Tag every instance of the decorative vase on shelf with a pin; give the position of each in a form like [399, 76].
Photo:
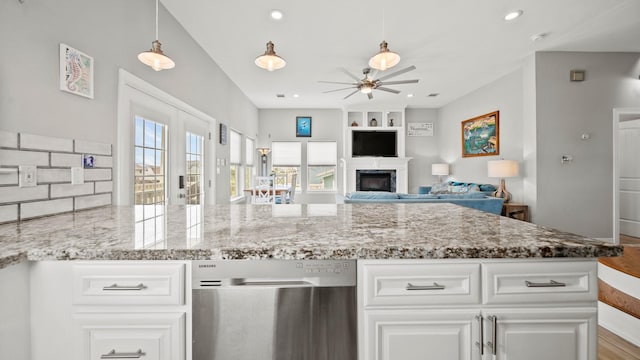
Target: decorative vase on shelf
[355, 123]
[373, 122]
[390, 122]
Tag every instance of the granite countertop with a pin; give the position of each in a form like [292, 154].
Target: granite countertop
[297, 231]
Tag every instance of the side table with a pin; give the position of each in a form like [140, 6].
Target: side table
[516, 211]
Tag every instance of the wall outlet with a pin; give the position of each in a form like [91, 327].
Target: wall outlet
[77, 175]
[28, 175]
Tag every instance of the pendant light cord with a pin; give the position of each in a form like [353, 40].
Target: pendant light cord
[156, 19]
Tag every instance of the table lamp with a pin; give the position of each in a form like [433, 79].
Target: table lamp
[440, 170]
[502, 169]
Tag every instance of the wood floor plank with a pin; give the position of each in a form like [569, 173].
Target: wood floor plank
[613, 347]
[628, 263]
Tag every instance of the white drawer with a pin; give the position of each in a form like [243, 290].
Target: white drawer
[540, 282]
[152, 336]
[411, 283]
[124, 283]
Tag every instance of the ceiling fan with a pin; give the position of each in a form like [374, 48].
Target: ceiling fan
[367, 84]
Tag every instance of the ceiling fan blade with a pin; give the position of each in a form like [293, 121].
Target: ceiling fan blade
[351, 94]
[350, 74]
[350, 87]
[398, 82]
[412, 67]
[337, 82]
[370, 96]
[388, 90]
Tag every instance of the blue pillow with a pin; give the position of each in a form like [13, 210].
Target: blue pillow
[424, 189]
[487, 187]
[373, 195]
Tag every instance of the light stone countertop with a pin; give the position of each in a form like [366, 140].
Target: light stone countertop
[296, 231]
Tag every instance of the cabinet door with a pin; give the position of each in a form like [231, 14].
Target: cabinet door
[420, 334]
[549, 334]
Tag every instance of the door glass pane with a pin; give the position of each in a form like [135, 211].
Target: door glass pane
[194, 169]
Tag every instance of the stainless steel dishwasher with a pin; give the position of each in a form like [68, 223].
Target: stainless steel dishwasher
[274, 309]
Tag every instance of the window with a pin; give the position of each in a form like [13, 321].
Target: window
[321, 165]
[286, 159]
[194, 169]
[249, 156]
[235, 156]
[150, 162]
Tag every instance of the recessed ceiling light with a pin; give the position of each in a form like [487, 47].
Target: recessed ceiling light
[513, 15]
[276, 14]
[296, 96]
[409, 95]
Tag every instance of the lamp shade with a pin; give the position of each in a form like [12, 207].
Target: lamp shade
[440, 169]
[263, 151]
[502, 168]
[156, 58]
[270, 60]
[385, 59]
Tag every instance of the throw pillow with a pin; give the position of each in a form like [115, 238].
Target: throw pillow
[439, 189]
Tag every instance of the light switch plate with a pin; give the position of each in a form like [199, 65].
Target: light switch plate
[77, 175]
[28, 175]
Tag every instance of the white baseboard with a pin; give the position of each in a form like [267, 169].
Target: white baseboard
[628, 284]
[619, 323]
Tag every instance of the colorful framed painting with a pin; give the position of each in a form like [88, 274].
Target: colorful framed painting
[303, 126]
[480, 135]
[76, 71]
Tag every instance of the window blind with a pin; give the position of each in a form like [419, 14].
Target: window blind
[322, 153]
[286, 153]
[235, 147]
[249, 153]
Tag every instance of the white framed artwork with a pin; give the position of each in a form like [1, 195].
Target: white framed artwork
[76, 71]
[420, 129]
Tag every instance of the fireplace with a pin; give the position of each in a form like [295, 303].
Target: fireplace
[376, 180]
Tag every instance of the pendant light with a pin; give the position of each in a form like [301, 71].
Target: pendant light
[155, 57]
[270, 60]
[385, 58]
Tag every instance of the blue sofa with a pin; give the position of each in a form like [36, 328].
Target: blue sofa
[474, 200]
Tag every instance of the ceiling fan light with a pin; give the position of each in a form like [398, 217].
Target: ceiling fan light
[385, 59]
[155, 58]
[270, 60]
[365, 89]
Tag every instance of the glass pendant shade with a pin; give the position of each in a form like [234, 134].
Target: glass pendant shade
[156, 58]
[365, 89]
[270, 60]
[385, 59]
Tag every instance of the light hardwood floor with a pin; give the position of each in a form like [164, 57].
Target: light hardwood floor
[613, 347]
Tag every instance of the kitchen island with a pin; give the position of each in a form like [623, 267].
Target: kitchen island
[456, 282]
[314, 231]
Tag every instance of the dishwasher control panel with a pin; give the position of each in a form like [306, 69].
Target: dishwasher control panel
[210, 273]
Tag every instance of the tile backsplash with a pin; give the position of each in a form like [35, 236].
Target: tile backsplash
[54, 193]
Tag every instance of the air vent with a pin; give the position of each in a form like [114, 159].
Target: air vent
[433, 95]
[280, 95]
[210, 282]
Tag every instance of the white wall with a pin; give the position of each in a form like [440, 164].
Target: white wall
[113, 33]
[505, 95]
[423, 149]
[280, 125]
[577, 196]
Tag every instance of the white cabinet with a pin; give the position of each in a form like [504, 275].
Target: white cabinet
[110, 310]
[477, 309]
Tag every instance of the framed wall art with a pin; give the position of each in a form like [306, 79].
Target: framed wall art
[480, 135]
[76, 71]
[303, 126]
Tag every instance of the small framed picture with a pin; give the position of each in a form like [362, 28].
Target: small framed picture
[223, 134]
[303, 126]
[88, 161]
[76, 71]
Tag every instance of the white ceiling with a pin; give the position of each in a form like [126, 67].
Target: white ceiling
[456, 45]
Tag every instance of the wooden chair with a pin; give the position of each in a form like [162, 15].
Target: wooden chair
[262, 192]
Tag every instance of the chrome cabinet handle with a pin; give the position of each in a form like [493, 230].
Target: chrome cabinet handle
[551, 283]
[115, 286]
[494, 334]
[123, 355]
[435, 286]
[479, 343]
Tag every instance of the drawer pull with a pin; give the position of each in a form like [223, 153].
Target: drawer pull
[551, 283]
[435, 286]
[115, 286]
[123, 355]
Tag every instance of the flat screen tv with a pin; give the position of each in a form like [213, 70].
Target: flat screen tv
[374, 143]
